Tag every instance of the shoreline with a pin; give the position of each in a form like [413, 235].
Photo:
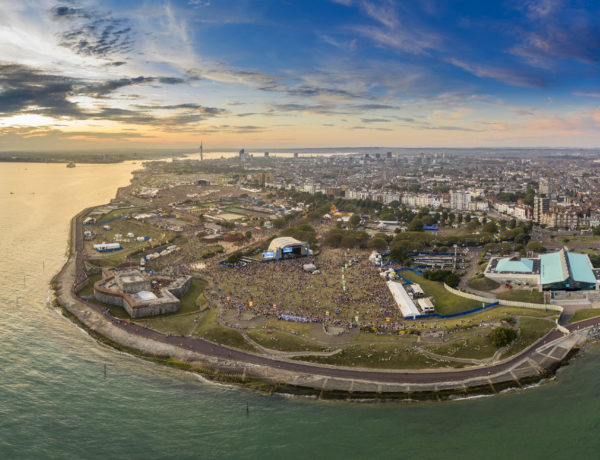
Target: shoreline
[283, 376]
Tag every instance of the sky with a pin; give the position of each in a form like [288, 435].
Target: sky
[135, 74]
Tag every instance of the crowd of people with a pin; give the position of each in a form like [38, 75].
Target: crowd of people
[282, 289]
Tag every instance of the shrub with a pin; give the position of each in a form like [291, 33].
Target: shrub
[502, 336]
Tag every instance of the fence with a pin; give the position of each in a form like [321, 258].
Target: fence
[510, 303]
[454, 315]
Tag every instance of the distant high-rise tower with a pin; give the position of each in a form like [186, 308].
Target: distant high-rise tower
[295, 154]
[201, 157]
[266, 154]
[389, 155]
[545, 188]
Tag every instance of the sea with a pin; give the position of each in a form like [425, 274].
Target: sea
[56, 401]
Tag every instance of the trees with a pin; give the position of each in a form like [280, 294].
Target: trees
[234, 258]
[302, 232]
[345, 238]
[535, 246]
[377, 243]
[388, 215]
[355, 220]
[490, 227]
[279, 223]
[416, 225]
[502, 336]
[400, 254]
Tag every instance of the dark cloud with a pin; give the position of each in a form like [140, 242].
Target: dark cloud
[68, 12]
[188, 106]
[450, 128]
[330, 108]
[27, 90]
[94, 34]
[375, 120]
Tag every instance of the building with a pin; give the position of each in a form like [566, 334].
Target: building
[286, 247]
[558, 271]
[541, 205]
[140, 294]
[460, 200]
[545, 188]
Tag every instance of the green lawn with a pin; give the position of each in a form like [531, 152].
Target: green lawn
[585, 314]
[478, 347]
[193, 299]
[381, 356]
[282, 341]
[531, 330]
[176, 324]
[88, 290]
[210, 329]
[445, 302]
[522, 295]
[483, 284]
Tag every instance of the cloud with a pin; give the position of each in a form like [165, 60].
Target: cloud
[586, 94]
[449, 128]
[402, 34]
[375, 120]
[559, 30]
[24, 90]
[325, 109]
[510, 75]
[93, 33]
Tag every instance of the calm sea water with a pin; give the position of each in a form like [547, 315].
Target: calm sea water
[56, 403]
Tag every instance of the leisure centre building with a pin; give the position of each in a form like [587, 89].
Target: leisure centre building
[558, 271]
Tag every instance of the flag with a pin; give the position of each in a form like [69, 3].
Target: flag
[387, 319]
[250, 303]
[327, 313]
[356, 318]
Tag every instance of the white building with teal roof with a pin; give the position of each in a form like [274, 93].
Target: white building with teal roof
[557, 271]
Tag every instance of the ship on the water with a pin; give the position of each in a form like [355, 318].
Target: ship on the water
[71, 165]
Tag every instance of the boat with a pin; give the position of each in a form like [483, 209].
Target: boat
[71, 165]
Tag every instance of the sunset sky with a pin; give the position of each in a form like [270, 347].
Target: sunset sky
[299, 73]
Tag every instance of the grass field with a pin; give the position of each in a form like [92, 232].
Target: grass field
[522, 296]
[282, 341]
[88, 290]
[494, 313]
[210, 329]
[194, 299]
[381, 356]
[483, 284]
[531, 330]
[176, 324]
[585, 314]
[478, 347]
[445, 302]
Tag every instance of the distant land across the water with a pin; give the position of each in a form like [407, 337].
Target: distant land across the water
[117, 156]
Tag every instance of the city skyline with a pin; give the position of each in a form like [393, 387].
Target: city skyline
[125, 75]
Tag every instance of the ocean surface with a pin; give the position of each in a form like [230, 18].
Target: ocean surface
[55, 401]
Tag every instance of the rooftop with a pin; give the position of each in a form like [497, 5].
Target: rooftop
[515, 265]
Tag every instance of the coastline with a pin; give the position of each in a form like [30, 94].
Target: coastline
[270, 375]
